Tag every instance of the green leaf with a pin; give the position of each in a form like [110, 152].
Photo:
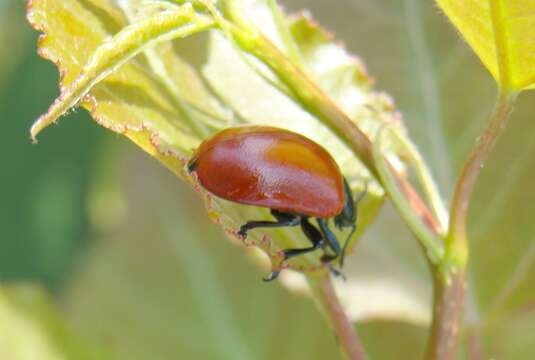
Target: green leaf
[501, 34]
[106, 59]
[176, 93]
[31, 326]
[162, 103]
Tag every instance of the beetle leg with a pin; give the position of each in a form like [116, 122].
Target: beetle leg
[317, 239]
[331, 239]
[336, 272]
[272, 276]
[312, 234]
[283, 219]
[334, 245]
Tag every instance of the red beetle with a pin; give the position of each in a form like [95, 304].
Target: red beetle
[284, 171]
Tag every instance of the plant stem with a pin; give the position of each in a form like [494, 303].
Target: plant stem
[288, 40]
[402, 198]
[429, 186]
[448, 307]
[342, 326]
[457, 238]
[450, 275]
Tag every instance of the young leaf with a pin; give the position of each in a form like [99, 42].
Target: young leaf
[501, 34]
[176, 94]
[130, 100]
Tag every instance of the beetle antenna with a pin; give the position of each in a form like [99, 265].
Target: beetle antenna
[362, 194]
[343, 254]
[354, 226]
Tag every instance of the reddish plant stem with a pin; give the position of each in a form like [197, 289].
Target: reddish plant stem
[342, 326]
[447, 316]
[450, 278]
[472, 167]
[416, 202]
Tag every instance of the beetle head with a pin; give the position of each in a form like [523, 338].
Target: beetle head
[348, 216]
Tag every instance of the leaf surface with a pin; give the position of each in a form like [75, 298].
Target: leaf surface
[174, 94]
[501, 34]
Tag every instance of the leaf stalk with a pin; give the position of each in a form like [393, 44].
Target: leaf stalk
[325, 294]
[450, 276]
[456, 241]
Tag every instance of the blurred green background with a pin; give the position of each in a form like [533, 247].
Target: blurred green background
[134, 269]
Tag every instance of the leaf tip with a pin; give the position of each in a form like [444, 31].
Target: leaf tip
[35, 130]
[42, 122]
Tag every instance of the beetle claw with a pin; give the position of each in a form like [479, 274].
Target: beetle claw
[243, 232]
[272, 276]
[336, 272]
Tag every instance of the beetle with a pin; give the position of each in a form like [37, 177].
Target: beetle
[284, 171]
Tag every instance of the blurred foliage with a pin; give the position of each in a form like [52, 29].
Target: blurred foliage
[43, 189]
[135, 294]
[35, 330]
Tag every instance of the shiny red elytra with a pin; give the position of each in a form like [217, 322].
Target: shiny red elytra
[284, 171]
[273, 168]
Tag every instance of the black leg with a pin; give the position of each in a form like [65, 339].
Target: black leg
[333, 242]
[312, 234]
[334, 245]
[272, 276]
[335, 272]
[331, 239]
[283, 219]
